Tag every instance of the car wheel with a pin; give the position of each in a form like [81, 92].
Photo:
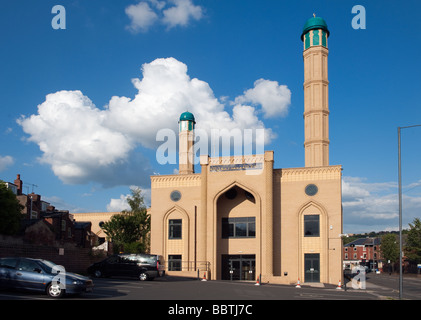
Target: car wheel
[97, 274]
[143, 276]
[54, 290]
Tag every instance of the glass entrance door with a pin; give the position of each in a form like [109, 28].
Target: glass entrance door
[235, 269]
[312, 267]
[238, 267]
[248, 269]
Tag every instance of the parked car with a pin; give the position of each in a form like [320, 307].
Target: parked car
[142, 266]
[41, 275]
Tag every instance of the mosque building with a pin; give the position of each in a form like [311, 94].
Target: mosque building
[242, 219]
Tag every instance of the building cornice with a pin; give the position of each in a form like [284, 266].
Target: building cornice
[176, 180]
[255, 158]
[309, 173]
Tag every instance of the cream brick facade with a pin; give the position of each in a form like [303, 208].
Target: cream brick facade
[96, 218]
[279, 204]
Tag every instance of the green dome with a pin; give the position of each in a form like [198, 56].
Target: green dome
[314, 23]
[187, 116]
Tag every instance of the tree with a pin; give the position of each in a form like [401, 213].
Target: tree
[390, 247]
[413, 241]
[129, 230]
[10, 211]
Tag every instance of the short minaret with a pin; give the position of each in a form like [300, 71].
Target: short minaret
[316, 93]
[186, 142]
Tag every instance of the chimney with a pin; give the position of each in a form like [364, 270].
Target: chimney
[18, 182]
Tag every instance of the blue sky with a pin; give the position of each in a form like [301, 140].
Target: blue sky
[83, 148]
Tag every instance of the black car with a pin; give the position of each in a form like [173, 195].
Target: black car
[142, 266]
[41, 275]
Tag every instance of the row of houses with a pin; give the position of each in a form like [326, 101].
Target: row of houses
[363, 252]
[43, 224]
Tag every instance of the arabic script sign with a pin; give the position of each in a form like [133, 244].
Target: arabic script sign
[236, 167]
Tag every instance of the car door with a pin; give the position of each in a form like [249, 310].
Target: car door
[7, 272]
[111, 266]
[128, 265]
[29, 275]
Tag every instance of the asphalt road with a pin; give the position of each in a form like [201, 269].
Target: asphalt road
[170, 297]
[386, 286]
[181, 289]
[378, 287]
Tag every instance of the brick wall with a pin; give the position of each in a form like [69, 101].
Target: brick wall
[72, 258]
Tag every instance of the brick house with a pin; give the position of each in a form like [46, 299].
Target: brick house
[84, 237]
[32, 203]
[43, 224]
[62, 224]
[38, 232]
[362, 252]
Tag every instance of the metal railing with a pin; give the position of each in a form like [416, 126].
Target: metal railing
[176, 265]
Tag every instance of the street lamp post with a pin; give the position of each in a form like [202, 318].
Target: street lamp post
[400, 207]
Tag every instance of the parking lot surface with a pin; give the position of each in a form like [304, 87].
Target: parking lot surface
[173, 288]
[171, 297]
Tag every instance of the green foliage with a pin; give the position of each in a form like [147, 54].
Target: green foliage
[413, 241]
[133, 247]
[10, 211]
[390, 247]
[129, 230]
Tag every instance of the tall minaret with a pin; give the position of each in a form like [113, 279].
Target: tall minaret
[186, 141]
[316, 93]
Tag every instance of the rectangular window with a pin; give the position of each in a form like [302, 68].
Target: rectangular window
[174, 229]
[316, 41]
[311, 225]
[307, 40]
[239, 227]
[324, 38]
[174, 262]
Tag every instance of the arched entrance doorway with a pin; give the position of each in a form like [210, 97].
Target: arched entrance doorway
[238, 236]
[313, 243]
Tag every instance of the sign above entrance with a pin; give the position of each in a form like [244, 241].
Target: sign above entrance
[236, 167]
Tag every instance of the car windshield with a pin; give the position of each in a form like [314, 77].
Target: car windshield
[48, 266]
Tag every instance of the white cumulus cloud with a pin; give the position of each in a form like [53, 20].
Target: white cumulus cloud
[70, 132]
[141, 16]
[83, 143]
[275, 99]
[165, 91]
[5, 162]
[118, 205]
[171, 13]
[181, 13]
